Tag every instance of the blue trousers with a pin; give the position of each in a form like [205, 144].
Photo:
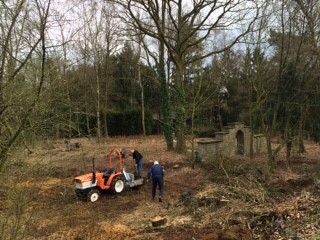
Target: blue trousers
[157, 181]
[140, 167]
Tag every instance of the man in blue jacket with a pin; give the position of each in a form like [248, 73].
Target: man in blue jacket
[156, 173]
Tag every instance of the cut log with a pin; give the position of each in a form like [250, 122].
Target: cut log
[158, 221]
[175, 166]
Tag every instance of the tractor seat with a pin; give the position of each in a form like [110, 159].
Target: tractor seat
[108, 173]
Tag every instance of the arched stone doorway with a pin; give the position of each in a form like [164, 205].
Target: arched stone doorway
[240, 142]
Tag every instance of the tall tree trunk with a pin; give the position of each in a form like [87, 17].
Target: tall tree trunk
[142, 102]
[303, 113]
[98, 102]
[165, 104]
[105, 117]
[86, 101]
[252, 130]
[105, 109]
[180, 111]
[271, 158]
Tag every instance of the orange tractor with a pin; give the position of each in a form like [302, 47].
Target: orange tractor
[114, 179]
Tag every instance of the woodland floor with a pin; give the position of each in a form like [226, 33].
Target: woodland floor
[231, 199]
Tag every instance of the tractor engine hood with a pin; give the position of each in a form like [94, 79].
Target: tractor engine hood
[86, 181]
[84, 178]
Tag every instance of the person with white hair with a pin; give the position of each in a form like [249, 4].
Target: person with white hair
[156, 173]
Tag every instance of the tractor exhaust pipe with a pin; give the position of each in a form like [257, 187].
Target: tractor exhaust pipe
[93, 172]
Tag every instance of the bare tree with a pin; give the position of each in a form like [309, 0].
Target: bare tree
[65, 37]
[98, 42]
[297, 59]
[310, 10]
[158, 59]
[205, 19]
[20, 42]
[258, 74]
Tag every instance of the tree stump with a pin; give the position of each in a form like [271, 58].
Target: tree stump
[158, 221]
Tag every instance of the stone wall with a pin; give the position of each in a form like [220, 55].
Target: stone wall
[234, 140]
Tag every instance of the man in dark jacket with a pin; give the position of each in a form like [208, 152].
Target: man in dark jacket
[156, 173]
[139, 160]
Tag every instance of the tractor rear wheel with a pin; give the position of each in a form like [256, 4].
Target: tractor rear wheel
[93, 195]
[118, 185]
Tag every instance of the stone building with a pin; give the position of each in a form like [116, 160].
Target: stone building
[234, 140]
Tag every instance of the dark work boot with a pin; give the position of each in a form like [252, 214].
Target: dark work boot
[160, 200]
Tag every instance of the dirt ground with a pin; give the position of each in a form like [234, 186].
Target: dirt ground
[225, 199]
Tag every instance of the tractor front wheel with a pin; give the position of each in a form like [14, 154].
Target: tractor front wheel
[93, 195]
[118, 185]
